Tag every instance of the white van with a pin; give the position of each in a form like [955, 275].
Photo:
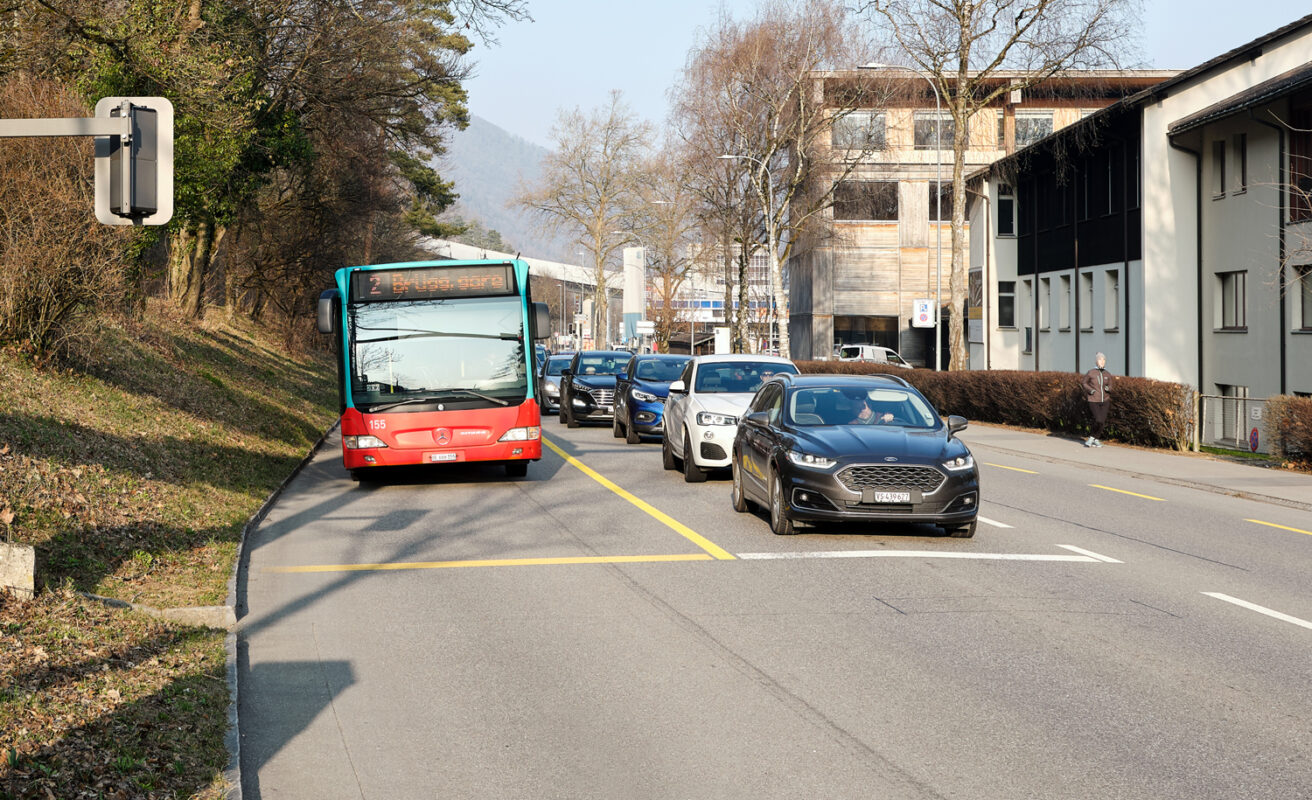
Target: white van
[873, 353]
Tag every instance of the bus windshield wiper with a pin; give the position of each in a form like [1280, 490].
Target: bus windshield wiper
[417, 333]
[433, 397]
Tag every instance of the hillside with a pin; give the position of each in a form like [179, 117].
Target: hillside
[488, 165]
[133, 474]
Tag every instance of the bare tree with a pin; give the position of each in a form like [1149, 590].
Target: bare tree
[764, 79]
[590, 185]
[667, 217]
[961, 45]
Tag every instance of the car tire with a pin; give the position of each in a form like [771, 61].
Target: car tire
[568, 415]
[691, 472]
[780, 524]
[516, 469]
[615, 429]
[560, 410]
[966, 531]
[738, 494]
[630, 435]
[668, 461]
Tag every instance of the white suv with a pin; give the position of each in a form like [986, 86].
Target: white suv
[702, 410]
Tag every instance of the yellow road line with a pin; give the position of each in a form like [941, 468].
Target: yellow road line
[678, 527]
[494, 562]
[1281, 527]
[1013, 469]
[1132, 494]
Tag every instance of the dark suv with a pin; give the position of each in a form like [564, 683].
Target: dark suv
[853, 448]
[587, 386]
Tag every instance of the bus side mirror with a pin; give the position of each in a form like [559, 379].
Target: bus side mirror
[329, 310]
[541, 321]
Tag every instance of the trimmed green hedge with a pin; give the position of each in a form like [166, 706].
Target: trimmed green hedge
[1289, 428]
[1143, 411]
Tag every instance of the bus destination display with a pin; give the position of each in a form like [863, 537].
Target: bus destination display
[432, 283]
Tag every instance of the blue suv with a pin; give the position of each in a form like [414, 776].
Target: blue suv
[640, 392]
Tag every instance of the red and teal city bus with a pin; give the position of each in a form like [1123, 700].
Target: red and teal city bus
[435, 363]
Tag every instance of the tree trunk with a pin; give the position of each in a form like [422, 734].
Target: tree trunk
[780, 301]
[957, 284]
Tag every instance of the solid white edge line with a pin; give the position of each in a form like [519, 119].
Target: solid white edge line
[918, 554]
[992, 522]
[1260, 609]
[1090, 554]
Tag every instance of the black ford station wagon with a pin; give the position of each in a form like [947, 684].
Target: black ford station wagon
[848, 448]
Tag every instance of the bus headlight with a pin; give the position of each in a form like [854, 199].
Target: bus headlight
[363, 442]
[522, 434]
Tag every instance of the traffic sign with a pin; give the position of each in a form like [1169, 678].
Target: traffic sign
[644, 326]
[922, 313]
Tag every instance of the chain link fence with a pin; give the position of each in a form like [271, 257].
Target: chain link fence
[1234, 423]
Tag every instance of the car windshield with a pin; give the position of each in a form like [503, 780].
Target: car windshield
[847, 405]
[602, 363]
[424, 346]
[894, 358]
[660, 370]
[555, 365]
[736, 377]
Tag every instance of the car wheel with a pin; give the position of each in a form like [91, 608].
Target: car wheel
[630, 435]
[516, 469]
[560, 410]
[691, 472]
[737, 494]
[667, 455]
[961, 531]
[780, 524]
[570, 422]
[615, 427]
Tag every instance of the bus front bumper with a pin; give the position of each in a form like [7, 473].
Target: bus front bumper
[405, 456]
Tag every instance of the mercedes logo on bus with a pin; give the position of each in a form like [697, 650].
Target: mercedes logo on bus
[442, 435]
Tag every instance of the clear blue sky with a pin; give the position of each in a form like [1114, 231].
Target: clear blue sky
[576, 51]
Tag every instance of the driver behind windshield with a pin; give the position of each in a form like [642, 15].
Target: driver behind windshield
[865, 415]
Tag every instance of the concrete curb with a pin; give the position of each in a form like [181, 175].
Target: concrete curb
[232, 739]
[1205, 487]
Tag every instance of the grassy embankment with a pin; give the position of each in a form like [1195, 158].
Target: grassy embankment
[133, 476]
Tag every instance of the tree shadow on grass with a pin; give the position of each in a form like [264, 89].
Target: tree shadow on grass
[169, 743]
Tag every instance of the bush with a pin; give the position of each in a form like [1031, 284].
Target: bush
[1289, 428]
[57, 263]
[1143, 411]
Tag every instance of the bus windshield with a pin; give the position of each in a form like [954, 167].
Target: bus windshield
[432, 347]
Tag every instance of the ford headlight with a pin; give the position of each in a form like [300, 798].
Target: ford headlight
[551, 388]
[711, 418]
[363, 442]
[807, 460]
[646, 397]
[522, 435]
[959, 463]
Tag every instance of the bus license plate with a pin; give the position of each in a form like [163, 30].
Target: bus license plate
[892, 497]
[443, 457]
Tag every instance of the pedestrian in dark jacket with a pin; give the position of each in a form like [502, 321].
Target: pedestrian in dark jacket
[1097, 389]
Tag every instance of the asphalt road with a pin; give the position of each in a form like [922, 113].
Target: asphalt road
[612, 632]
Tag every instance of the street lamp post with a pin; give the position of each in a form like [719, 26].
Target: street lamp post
[769, 221]
[938, 199]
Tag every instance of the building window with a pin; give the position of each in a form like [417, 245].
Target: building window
[1026, 304]
[1006, 304]
[1006, 211]
[1032, 126]
[1064, 311]
[1086, 301]
[1135, 192]
[1303, 275]
[1002, 130]
[946, 195]
[1111, 300]
[1218, 169]
[1240, 146]
[1045, 302]
[1233, 299]
[1300, 164]
[925, 128]
[866, 200]
[860, 130]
